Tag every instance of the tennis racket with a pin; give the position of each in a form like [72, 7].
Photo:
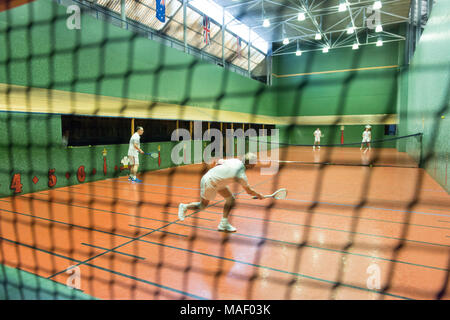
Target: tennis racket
[279, 194]
[154, 155]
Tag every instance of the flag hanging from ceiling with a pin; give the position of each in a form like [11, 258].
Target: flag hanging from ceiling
[161, 10]
[206, 29]
[239, 47]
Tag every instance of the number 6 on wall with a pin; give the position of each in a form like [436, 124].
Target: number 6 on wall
[81, 174]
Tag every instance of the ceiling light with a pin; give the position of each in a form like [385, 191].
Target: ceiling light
[301, 16]
[342, 7]
[350, 30]
[325, 50]
[266, 23]
[355, 46]
[285, 41]
[379, 28]
[377, 5]
[379, 43]
[298, 52]
[318, 36]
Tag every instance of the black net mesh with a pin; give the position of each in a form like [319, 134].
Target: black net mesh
[360, 220]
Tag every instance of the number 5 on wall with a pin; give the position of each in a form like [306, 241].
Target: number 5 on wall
[51, 178]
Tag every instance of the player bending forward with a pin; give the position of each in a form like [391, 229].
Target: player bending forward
[216, 180]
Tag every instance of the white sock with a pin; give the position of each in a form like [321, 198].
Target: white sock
[224, 220]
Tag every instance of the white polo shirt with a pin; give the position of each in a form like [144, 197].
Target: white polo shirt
[132, 151]
[317, 135]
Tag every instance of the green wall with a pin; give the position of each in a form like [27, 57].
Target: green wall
[425, 93]
[30, 144]
[341, 93]
[16, 284]
[332, 135]
[40, 51]
[103, 59]
[363, 92]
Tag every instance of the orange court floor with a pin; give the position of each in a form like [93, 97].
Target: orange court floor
[344, 232]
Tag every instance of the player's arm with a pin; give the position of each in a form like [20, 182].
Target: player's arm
[214, 162]
[137, 148]
[249, 189]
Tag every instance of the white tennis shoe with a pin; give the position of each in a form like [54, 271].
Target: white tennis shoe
[226, 226]
[181, 211]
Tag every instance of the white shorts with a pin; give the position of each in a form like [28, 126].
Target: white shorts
[365, 140]
[317, 140]
[207, 191]
[134, 160]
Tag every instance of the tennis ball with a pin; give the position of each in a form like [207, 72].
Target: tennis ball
[442, 117]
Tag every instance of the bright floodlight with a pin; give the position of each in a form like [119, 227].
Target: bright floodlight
[301, 16]
[379, 28]
[298, 53]
[379, 43]
[325, 50]
[377, 5]
[266, 23]
[355, 46]
[285, 41]
[342, 7]
[350, 30]
[318, 36]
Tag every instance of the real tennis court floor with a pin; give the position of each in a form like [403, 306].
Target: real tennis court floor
[338, 227]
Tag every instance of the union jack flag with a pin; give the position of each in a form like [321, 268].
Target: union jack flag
[206, 29]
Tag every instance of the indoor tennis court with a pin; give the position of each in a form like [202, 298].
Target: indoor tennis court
[350, 145]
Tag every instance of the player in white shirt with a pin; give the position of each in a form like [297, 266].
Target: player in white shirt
[367, 136]
[216, 180]
[317, 135]
[133, 153]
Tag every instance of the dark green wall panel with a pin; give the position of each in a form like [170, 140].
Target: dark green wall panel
[426, 92]
[347, 93]
[107, 60]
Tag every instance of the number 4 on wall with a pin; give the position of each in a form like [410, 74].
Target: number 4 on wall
[15, 183]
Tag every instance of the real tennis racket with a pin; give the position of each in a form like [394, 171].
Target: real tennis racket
[279, 194]
[154, 155]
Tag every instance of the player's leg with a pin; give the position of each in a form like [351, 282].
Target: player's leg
[207, 193]
[135, 170]
[224, 224]
[131, 165]
[182, 208]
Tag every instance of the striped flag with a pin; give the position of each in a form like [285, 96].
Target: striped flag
[206, 29]
[161, 10]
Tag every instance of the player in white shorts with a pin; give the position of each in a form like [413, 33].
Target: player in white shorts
[317, 135]
[133, 153]
[367, 136]
[216, 180]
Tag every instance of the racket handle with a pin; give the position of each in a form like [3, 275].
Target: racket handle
[265, 197]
